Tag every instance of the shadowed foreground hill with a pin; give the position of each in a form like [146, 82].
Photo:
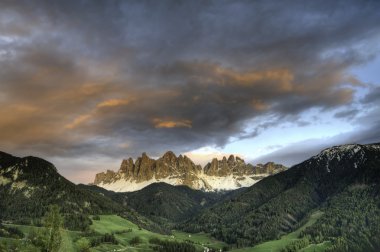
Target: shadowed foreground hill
[29, 185]
[167, 202]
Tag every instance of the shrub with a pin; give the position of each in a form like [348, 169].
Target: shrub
[83, 245]
[135, 241]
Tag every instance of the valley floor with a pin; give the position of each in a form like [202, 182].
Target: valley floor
[125, 231]
[113, 223]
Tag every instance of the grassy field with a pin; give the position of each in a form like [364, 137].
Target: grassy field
[317, 247]
[277, 245]
[68, 237]
[125, 230]
[24, 228]
[200, 238]
[113, 223]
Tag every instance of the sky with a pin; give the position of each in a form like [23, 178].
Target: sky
[85, 84]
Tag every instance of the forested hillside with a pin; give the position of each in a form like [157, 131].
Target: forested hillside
[280, 203]
[166, 204]
[28, 186]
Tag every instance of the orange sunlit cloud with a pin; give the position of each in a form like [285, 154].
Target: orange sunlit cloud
[78, 121]
[114, 103]
[282, 76]
[259, 105]
[161, 123]
[107, 103]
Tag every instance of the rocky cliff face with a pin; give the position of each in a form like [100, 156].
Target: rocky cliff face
[225, 174]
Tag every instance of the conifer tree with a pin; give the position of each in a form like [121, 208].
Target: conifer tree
[53, 223]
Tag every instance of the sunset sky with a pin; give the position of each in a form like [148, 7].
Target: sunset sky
[85, 84]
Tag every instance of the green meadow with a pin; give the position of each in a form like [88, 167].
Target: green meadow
[114, 224]
[277, 245]
[124, 231]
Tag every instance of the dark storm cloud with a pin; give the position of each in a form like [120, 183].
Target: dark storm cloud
[121, 77]
[373, 97]
[347, 114]
[367, 130]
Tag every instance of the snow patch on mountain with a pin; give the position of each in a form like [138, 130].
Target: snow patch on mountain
[205, 183]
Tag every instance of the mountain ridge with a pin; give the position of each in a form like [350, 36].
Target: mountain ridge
[224, 174]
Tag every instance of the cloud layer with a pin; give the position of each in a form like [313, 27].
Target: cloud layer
[116, 78]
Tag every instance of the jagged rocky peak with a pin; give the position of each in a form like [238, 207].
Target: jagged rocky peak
[168, 160]
[269, 168]
[170, 156]
[212, 169]
[231, 166]
[143, 169]
[127, 166]
[104, 177]
[146, 168]
[181, 170]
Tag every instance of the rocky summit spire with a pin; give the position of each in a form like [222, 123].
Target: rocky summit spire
[231, 159]
[169, 155]
[127, 166]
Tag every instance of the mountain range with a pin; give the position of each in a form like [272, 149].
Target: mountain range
[225, 174]
[340, 185]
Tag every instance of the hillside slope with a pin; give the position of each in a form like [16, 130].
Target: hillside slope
[29, 185]
[164, 203]
[279, 204]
